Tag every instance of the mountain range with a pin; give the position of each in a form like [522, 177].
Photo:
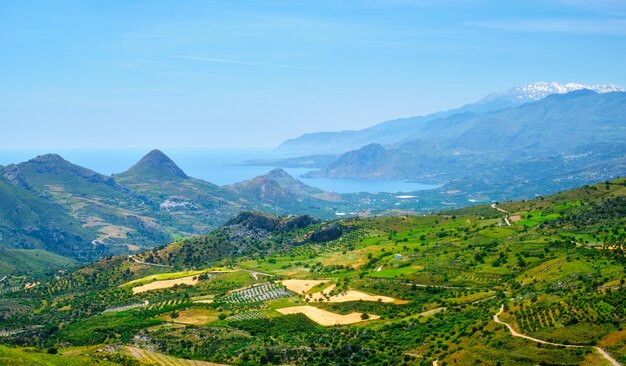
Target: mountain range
[401, 130]
[577, 128]
[537, 139]
[482, 152]
[152, 203]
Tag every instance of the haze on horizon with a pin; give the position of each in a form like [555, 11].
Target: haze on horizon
[211, 74]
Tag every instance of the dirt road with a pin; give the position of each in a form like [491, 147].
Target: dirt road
[516, 334]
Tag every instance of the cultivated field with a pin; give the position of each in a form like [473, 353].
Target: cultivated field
[264, 292]
[321, 295]
[194, 316]
[126, 307]
[156, 358]
[161, 277]
[206, 299]
[353, 295]
[303, 286]
[157, 285]
[262, 314]
[325, 318]
[166, 303]
[300, 286]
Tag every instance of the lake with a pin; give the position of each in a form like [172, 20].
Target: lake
[216, 166]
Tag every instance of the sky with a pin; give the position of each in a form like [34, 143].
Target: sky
[232, 74]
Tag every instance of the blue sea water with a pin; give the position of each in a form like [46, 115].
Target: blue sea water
[221, 167]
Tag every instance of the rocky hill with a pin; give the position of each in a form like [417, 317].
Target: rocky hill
[154, 166]
[284, 194]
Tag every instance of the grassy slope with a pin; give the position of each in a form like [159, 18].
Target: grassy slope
[23, 261]
[25, 222]
[96, 199]
[25, 357]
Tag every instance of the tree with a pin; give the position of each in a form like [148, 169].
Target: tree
[365, 316]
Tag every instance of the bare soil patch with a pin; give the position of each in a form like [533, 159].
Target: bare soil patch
[157, 285]
[326, 318]
[350, 295]
[299, 286]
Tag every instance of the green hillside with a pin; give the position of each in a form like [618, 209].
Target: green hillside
[28, 357]
[407, 290]
[185, 206]
[25, 223]
[150, 204]
[281, 193]
[116, 216]
[25, 261]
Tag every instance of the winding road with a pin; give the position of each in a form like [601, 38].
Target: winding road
[255, 274]
[146, 263]
[506, 213]
[516, 334]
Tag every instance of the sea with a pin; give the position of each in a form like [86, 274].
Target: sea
[221, 167]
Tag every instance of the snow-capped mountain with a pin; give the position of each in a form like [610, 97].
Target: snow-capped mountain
[540, 90]
[397, 131]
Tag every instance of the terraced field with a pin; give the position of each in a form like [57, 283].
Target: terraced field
[127, 307]
[262, 314]
[166, 303]
[9, 289]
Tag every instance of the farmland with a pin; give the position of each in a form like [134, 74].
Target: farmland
[326, 318]
[389, 290]
[259, 293]
[157, 285]
[151, 357]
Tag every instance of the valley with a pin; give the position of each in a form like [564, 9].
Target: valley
[536, 141]
[450, 287]
[152, 203]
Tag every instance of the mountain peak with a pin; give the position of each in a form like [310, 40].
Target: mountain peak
[539, 90]
[278, 174]
[155, 165]
[156, 156]
[47, 158]
[373, 147]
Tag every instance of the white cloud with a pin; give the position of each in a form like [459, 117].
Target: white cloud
[573, 26]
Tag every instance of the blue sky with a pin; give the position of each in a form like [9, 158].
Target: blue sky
[216, 74]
